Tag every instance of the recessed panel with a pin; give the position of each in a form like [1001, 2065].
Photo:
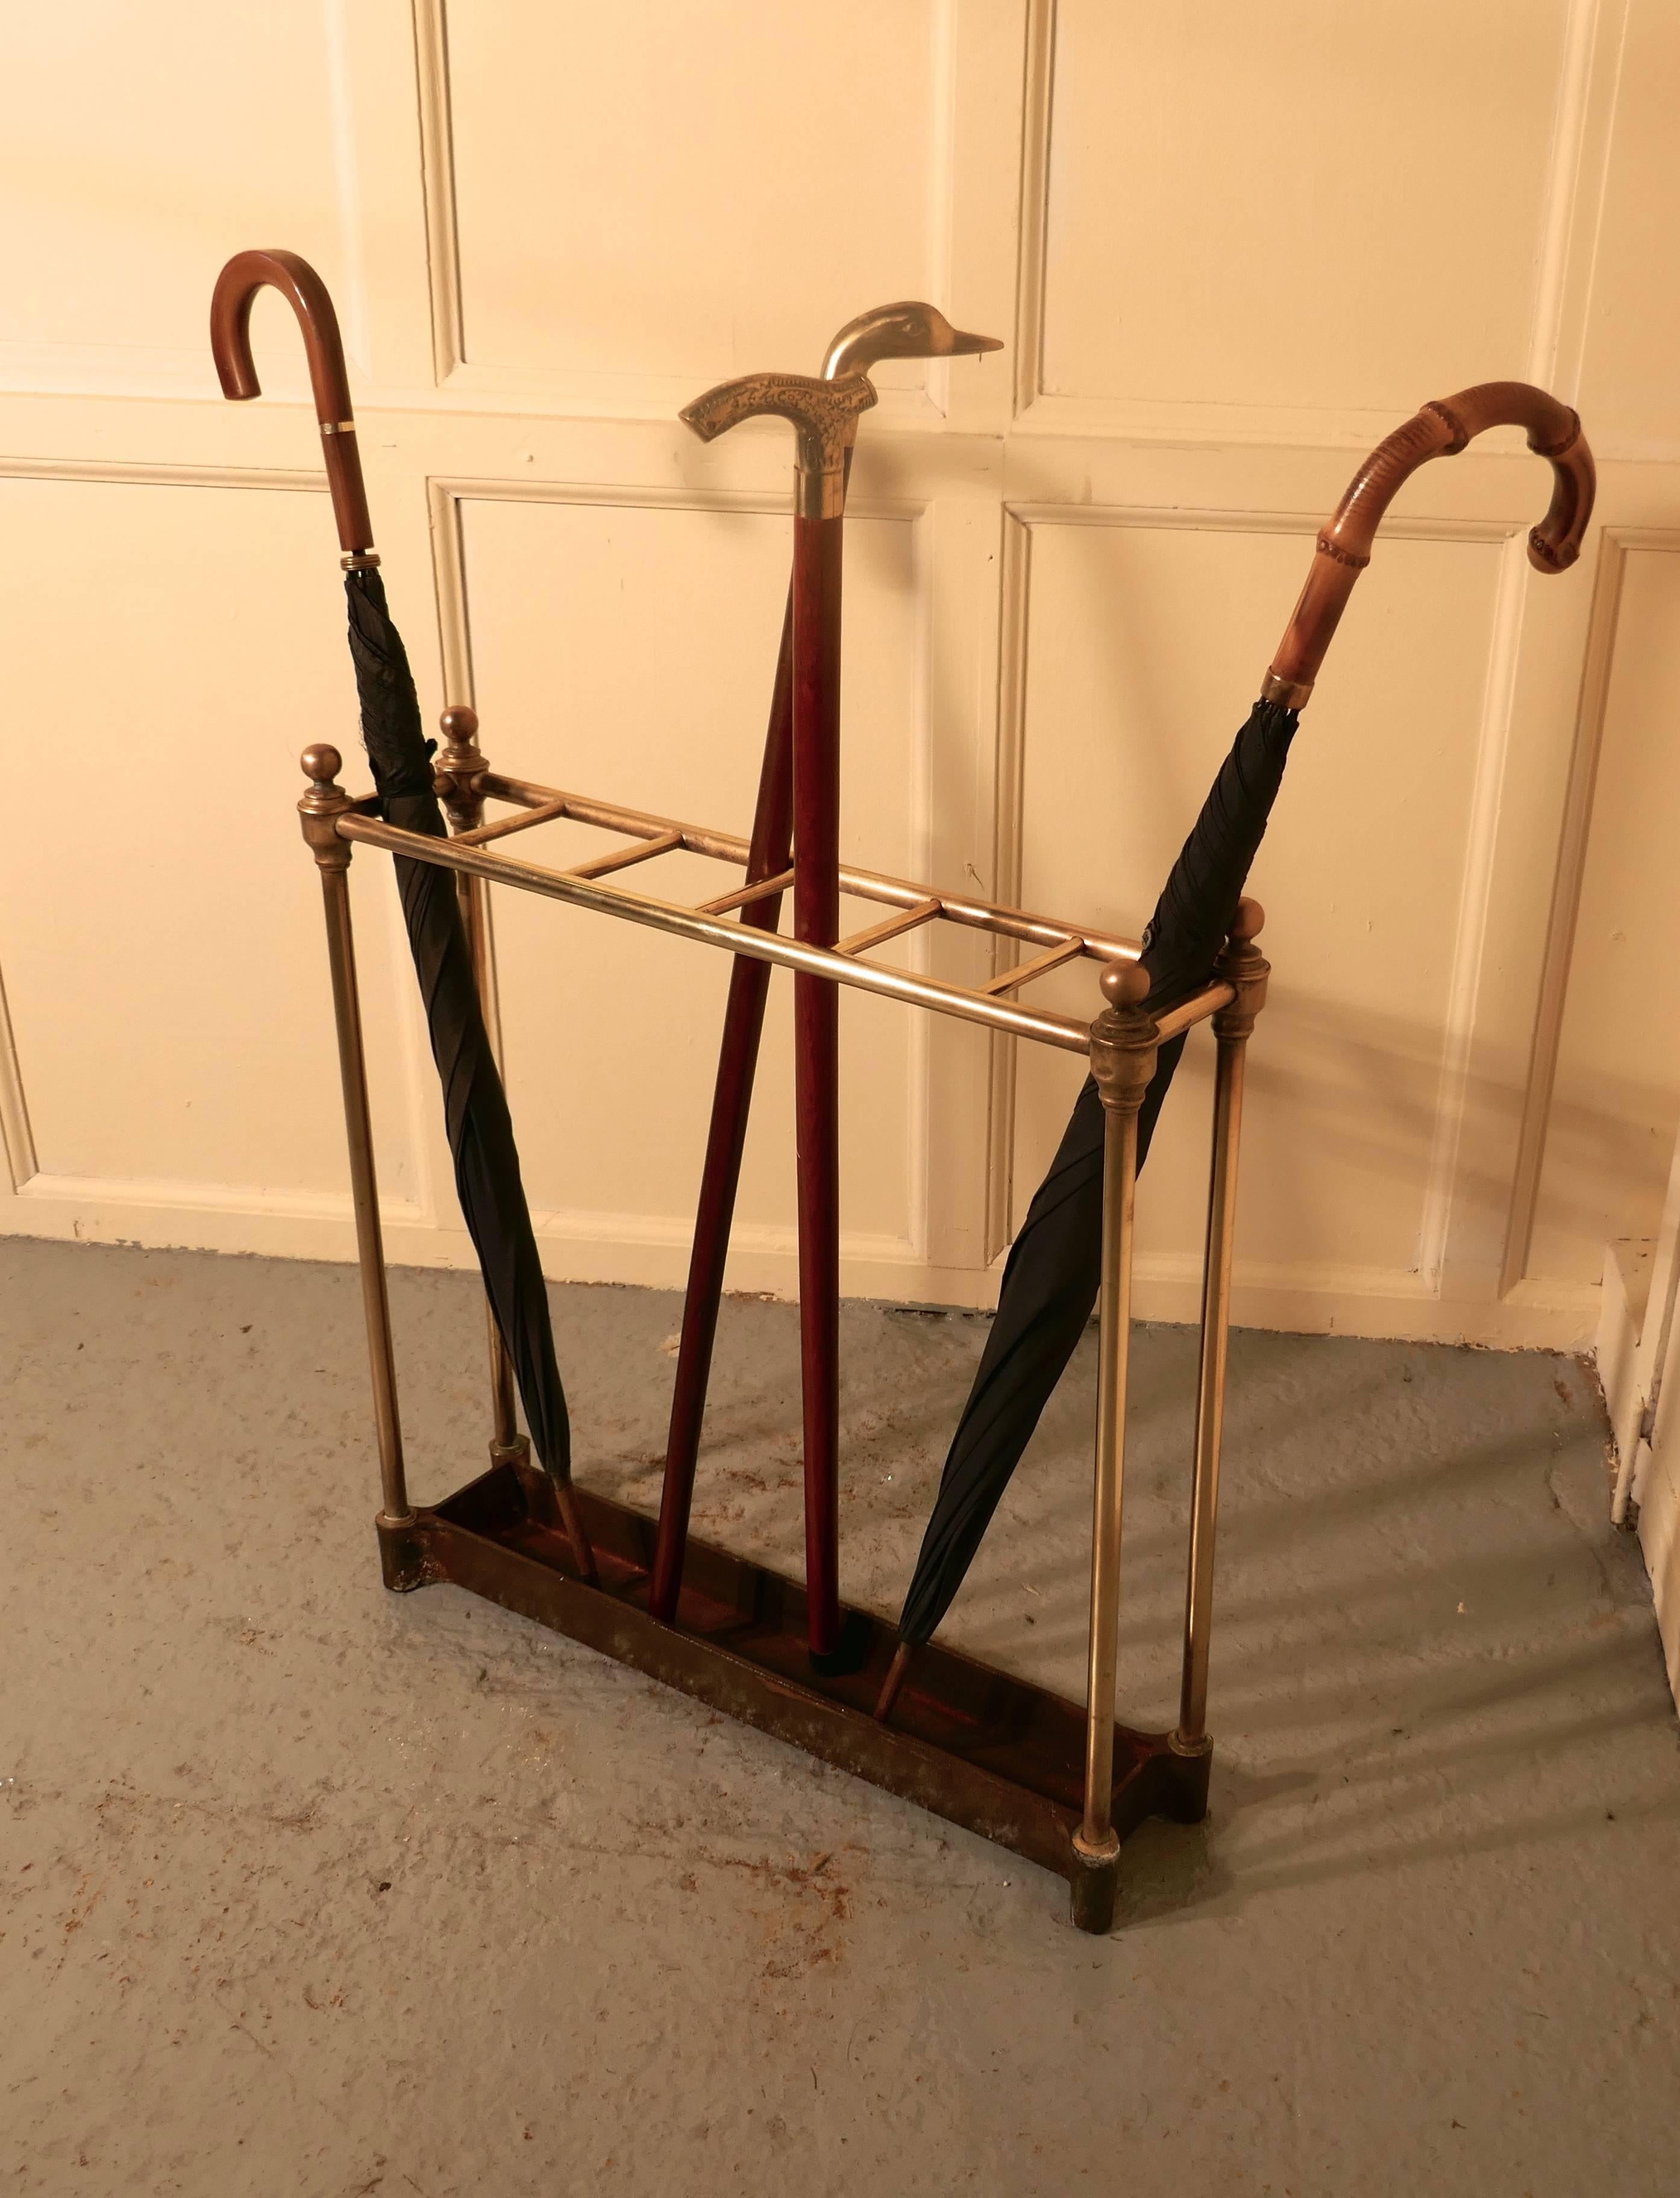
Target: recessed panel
[142, 147]
[1295, 203]
[1629, 385]
[1616, 1100]
[687, 190]
[628, 652]
[171, 650]
[1145, 647]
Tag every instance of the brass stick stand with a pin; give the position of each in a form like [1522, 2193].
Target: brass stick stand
[1060, 1785]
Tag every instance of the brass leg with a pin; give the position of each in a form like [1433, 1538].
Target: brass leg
[1124, 1041]
[319, 809]
[460, 766]
[457, 782]
[1242, 965]
[1216, 1287]
[505, 1436]
[1119, 1181]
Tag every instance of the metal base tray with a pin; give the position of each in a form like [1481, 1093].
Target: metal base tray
[973, 1745]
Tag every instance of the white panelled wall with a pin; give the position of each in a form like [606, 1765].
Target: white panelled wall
[1229, 248]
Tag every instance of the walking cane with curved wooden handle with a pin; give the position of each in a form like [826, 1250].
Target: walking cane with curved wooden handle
[297, 282]
[1441, 429]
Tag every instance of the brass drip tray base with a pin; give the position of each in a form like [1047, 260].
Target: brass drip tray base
[972, 1744]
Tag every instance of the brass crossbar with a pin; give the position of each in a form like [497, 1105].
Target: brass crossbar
[575, 886]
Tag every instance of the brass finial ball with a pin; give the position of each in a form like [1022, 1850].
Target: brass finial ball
[321, 763]
[459, 725]
[1125, 984]
[1249, 923]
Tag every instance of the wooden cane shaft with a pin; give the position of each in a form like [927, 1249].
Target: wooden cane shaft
[726, 1140]
[816, 633]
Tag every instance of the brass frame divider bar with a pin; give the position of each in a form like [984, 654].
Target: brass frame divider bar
[908, 919]
[545, 813]
[1064, 1031]
[1033, 929]
[1011, 980]
[762, 891]
[601, 866]
[1196, 1009]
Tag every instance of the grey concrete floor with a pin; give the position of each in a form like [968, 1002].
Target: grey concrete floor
[315, 1891]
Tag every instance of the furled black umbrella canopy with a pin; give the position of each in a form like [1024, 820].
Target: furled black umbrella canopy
[475, 1108]
[1049, 1285]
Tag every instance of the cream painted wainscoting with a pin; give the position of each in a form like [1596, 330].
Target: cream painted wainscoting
[1229, 247]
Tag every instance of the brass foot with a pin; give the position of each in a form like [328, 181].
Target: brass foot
[1094, 1881]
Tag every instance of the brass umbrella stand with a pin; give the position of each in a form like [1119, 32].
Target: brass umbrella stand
[976, 1745]
[1059, 1785]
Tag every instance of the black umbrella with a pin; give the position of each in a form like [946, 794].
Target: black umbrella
[1049, 1285]
[475, 1108]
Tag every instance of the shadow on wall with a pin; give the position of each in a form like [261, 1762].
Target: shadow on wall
[1344, 1108]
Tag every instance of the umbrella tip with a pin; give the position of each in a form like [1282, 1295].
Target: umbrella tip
[1125, 984]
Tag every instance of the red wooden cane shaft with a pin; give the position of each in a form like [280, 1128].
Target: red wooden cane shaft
[816, 659]
[726, 1141]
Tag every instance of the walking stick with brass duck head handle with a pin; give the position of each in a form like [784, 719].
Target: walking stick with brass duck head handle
[297, 282]
[909, 328]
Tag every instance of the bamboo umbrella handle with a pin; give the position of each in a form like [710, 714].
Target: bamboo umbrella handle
[297, 282]
[1440, 430]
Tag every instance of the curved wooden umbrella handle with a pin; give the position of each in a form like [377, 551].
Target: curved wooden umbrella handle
[1440, 430]
[297, 282]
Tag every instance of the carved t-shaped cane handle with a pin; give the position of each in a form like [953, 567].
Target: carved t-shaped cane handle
[825, 413]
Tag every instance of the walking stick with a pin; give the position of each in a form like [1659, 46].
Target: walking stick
[909, 329]
[825, 415]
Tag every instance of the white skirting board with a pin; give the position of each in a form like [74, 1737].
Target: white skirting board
[1647, 1478]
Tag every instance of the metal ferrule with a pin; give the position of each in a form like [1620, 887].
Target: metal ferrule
[819, 492]
[1291, 693]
